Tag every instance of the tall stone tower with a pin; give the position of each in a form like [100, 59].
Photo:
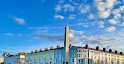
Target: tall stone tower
[66, 44]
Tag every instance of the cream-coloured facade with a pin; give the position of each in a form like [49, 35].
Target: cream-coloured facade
[106, 57]
[96, 56]
[1, 59]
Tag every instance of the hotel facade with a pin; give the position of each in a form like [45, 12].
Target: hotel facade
[66, 55]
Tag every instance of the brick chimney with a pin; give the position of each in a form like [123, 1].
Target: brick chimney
[40, 50]
[110, 50]
[28, 53]
[86, 46]
[31, 51]
[46, 49]
[51, 48]
[58, 46]
[97, 48]
[116, 51]
[104, 49]
[121, 53]
[23, 53]
[35, 51]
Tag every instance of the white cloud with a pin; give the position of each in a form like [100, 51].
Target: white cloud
[105, 7]
[121, 24]
[121, 8]
[58, 8]
[72, 16]
[59, 16]
[98, 40]
[117, 16]
[101, 6]
[101, 24]
[73, 2]
[110, 3]
[110, 29]
[112, 21]
[73, 38]
[19, 20]
[91, 16]
[97, 0]
[76, 32]
[117, 12]
[83, 24]
[84, 8]
[104, 14]
[9, 34]
[118, 44]
[68, 7]
[16, 35]
[53, 38]
[61, 1]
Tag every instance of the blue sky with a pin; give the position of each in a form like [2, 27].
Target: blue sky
[29, 25]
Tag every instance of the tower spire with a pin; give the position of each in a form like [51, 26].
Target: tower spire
[67, 24]
[66, 44]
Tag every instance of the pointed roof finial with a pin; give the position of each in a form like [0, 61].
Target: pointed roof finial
[66, 24]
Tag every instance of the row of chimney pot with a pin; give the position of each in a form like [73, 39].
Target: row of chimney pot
[46, 49]
[97, 48]
[104, 49]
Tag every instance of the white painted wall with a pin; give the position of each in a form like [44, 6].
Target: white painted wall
[1, 59]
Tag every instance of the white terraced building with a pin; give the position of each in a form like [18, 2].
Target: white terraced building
[1, 59]
[69, 55]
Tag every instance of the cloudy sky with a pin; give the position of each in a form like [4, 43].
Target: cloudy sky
[27, 25]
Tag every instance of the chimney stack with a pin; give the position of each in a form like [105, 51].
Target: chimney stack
[116, 51]
[97, 48]
[86, 46]
[121, 53]
[70, 46]
[46, 49]
[28, 53]
[104, 49]
[40, 50]
[35, 51]
[31, 51]
[58, 46]
[51, 48]
[110, 50]
[23, 53]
